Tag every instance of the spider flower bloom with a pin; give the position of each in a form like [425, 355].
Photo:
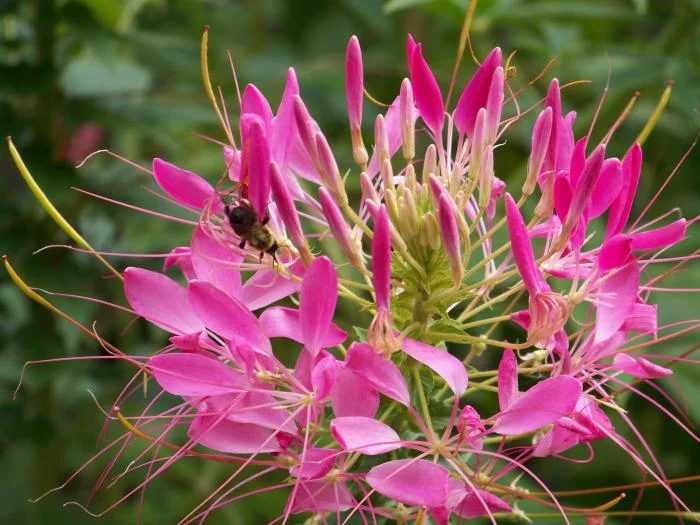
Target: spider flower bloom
[380, 423]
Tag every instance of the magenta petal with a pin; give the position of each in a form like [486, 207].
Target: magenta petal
[522, 249]
[640, 367]
[324, 376]
[381, 260]
[641, 318]
[475, 95]
[322, 496]
[235, 438]
[351, 396]
[225, 315]
[280, 321]
[365, 435]
[660, 237]
[256, 163]
[316, 463]
[194, 375]
[552, 162]
[318, 296]
[267, 287]
[250, 407]
[411, 481]
[614, 253]
[470, 505]
[216, 263]
[182, 258]
[543, 404]
[254, 102]
[507, 379]
[494, 104]
[182, 185]
[607, 188]
[354, 82]
[442, 362]
[161, 301]
[283, 126]
[618, 294]
[620, 208]
[392, 124]
[383, 375]
[426, 92]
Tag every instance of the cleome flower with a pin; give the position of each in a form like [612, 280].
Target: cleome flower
[379, 425]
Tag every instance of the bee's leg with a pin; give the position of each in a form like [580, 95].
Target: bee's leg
[241, 245]
[227, 210]
[265, 220]
[262, 254]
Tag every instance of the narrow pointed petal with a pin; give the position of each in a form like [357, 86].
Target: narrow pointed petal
[441, 362]
[229, 436]
[411, 481]
[216, 263]
[607, 188]
[469, 505]
[329, 167]
[381, 374]
[392, 124]
[284, 129]
[381, 259]
[621, 207]
[256, 163]
[287, 210]
[280, 321]
[184, 186]
[543, 404]
[224, 314]
[640, 367]
[540, 141]
[318, 297]
[553, 100]
[494, 104]
[507, 380]
[324, 376]
[365, 435]
[407, 122]
[583, 189]
[475, 95]
[351, 396]
[194, 375]
[161, 301]
[660, 237]
[426, 92]
[618, 294]
[354, 82]
[450, 239]
[410, 48]
[522, 249]
[339, 227]
[254, 102]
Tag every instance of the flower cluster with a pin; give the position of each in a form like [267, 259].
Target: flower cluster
[381, 424]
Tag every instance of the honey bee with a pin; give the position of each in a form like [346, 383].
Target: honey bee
[245, 222]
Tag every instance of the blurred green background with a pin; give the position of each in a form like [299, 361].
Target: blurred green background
[80, 75]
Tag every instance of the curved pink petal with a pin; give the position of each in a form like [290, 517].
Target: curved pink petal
[182, 258]
[467, 504]
[322, 496]
[280, 321]
[225, 315]
[494, 104]
[267, 287]
[380, 373]
[475, 94]
[255, 103]
[365, 435]
[617, 296]
[215, 262]
[235, 438]
[182, 185]
[250, 407]
[447, 366]
[317, 300]
[543, 404]
[522, 249]
[352, 396]
[411, 481]
[284, 130]
[621, 207]
[255, 163]
[160, 300]
[426, 92]
[552, 161]
[324, 376]
[507, 379]
[660, 237]
[607, 188]
[190, 374]
[315, 463]
[639, 367]
[381, 260]
[615, 252]
[641, 318]
[354, 82]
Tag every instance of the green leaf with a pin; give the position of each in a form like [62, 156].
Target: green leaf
[398, 5]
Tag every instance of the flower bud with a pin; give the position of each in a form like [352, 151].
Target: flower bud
[288, 213]
[540, 141]
[381, 139]
[381, 259]
[305, 126]
[430, 163]
[432, 227]
[408, 125]
[354, 89]
[339, 228]
[486, 177]
[410, 176]
[387, 174]
[367, 187]
[329, 169]
[494, 105]
[450, 239]
[408, 214]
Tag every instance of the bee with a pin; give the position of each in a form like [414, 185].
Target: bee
[245, 222]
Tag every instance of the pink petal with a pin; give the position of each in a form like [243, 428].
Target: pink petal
[191, 374]
[470, 505]
[225, 315]
[322, 496]
[392, 124]
[607, 188]
[235, 438]
[215, 262]
[256, 163]
[614, 253]
[494, 104]
[640, 367]
[660, 237]
[411, 481]
[475, 95]
[182, 258]
[354, 81]
[507, 379]
[620, 209]
[161, 301]
[284, 129]
[381, 260]
[318, 297]
[522, 249]
[351, 396]
[553, 100]
[641, 318]
[618, 294]
[441, 362]
[583, 187]
[543, 404]
[280, 321]
[267, 287]
[365, 435]
[316, 463]
[324, 376]
[426, 92]
[183, 186]
[250, 407]
[255, 103]
[381, 374]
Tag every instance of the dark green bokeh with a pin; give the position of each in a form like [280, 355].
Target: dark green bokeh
[130, 70]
